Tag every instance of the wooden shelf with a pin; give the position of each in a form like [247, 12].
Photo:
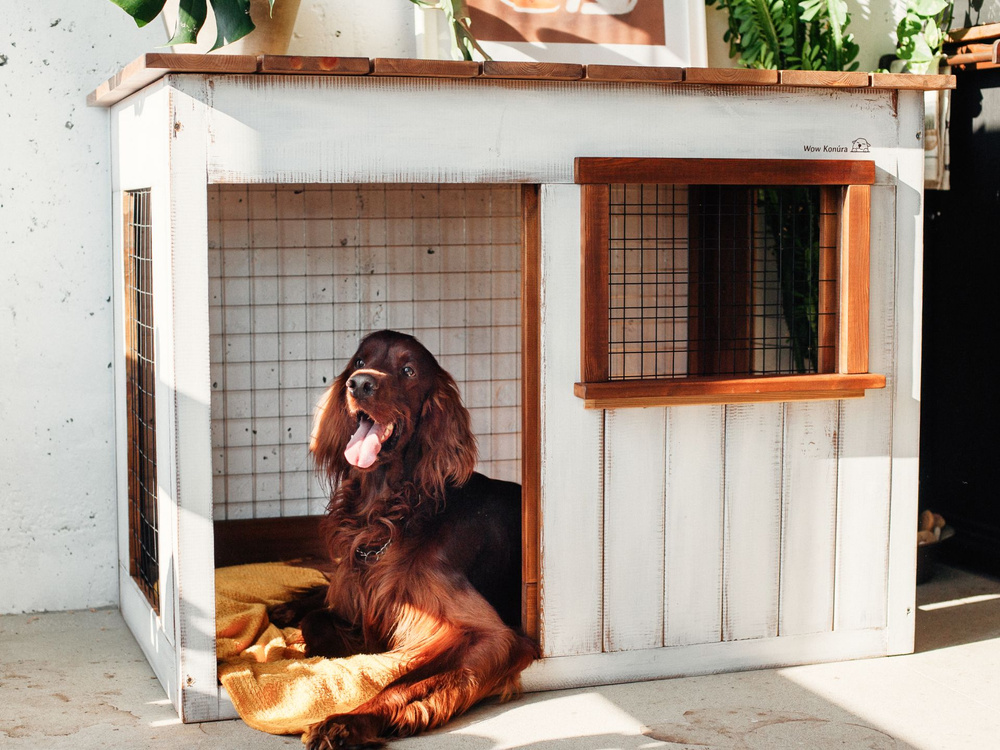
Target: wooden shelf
[153, 66]
[725, 390]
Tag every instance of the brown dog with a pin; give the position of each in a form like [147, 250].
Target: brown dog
[426, 552]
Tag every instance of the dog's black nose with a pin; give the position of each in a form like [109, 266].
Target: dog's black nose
[362, 386]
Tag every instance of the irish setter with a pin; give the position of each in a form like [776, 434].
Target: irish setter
[426, 553]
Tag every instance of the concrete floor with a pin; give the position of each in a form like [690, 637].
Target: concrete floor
[78, 680]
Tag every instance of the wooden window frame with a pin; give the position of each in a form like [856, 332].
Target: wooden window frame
[845, 196]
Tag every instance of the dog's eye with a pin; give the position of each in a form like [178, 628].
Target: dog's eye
[359, 363]
[409, 371]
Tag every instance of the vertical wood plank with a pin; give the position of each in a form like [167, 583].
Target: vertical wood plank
[531, 438]
[634, 479]
[809, 518]
[855, 262]
[595, 266]
[906, 392]
[572, 565]
[865, 468]
[752, 521]
[190, 392]
[827, 322]
[694, 523]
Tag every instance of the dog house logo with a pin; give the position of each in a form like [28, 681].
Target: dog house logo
[860, 146]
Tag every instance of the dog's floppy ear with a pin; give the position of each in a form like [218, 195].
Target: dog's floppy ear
[332, 428]
[448, 452]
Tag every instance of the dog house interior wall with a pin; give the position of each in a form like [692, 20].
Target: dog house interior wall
[290, 214]
[299, 273]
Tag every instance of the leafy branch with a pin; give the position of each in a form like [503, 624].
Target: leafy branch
[920, 36]
[456, 13]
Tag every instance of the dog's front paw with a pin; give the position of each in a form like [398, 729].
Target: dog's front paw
[342, 732]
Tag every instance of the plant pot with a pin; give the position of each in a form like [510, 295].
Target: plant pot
[270, 37]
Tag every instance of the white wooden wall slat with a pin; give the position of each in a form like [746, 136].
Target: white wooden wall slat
[572, 561]
[906, 405]
[865, 467]
[694, 509]
[634, 479]
[752, 521]
[809, 518]
[191, 395]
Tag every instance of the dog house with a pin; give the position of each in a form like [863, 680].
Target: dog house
[683, 307]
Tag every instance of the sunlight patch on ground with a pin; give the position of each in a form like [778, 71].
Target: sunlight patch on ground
[958, 602]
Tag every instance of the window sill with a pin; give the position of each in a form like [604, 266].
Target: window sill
[725, 390]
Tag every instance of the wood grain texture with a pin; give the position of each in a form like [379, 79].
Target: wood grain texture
[910, 81]
[339, 66]
[808, 518]
[152, 66]
[712, 171]
[634, 487]
[572, 447]
[531, 418]
[974, 33]
[752, 521]
[824, 78]
[595, 262]
[866, 449]
[722, 389]
[855, 227]
[827, 325]
[634, 73]
[694, 524]
[532, 70]
[255, 540]
[405, 67]
[731, 76]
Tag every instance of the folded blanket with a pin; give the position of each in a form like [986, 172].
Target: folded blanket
[263, 667]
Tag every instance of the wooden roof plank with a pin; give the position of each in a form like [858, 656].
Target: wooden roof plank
[634, 73]
[532, 70]
[295, 64]
[824, 78]
[404, 67]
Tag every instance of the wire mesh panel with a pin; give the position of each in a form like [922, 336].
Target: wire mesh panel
[298, 274]
[718, 280]
[140, 396]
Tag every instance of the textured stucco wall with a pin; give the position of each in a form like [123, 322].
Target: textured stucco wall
[57, 481]
[58, 546]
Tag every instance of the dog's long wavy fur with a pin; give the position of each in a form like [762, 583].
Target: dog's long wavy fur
[425, 552]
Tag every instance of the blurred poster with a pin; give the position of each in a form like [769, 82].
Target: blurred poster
[569, 21]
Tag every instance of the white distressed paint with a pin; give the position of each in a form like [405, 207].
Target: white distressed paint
[572, 564]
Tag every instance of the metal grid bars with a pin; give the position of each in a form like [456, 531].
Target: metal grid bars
[299, 273]
[717, 280]
[140, 398]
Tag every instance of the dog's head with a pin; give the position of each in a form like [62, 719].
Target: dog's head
[394, 406]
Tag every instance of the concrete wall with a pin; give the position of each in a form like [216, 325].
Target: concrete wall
[57, 520]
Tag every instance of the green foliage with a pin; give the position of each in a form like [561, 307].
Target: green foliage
[785, 35]
[232, 18]
[920, 36]
[457, 14]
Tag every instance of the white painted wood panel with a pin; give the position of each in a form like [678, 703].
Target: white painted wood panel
[694, 516]
[190, 391]
[752, 521]
[708, 658]
[809, 518]
[634, 486]
[340, 129]
[572, 565]
[906, 405]
[866, 447]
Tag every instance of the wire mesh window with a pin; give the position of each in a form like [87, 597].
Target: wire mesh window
[299, 273]
[718, 280]
[140, 396]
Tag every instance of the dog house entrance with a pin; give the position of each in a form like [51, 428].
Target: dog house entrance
[299, 273]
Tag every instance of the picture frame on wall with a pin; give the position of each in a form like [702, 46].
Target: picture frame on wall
[608, 32]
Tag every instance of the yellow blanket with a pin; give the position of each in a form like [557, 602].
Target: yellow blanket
[263, 667]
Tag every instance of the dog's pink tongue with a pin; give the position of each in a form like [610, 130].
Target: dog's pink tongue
[364, 445]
